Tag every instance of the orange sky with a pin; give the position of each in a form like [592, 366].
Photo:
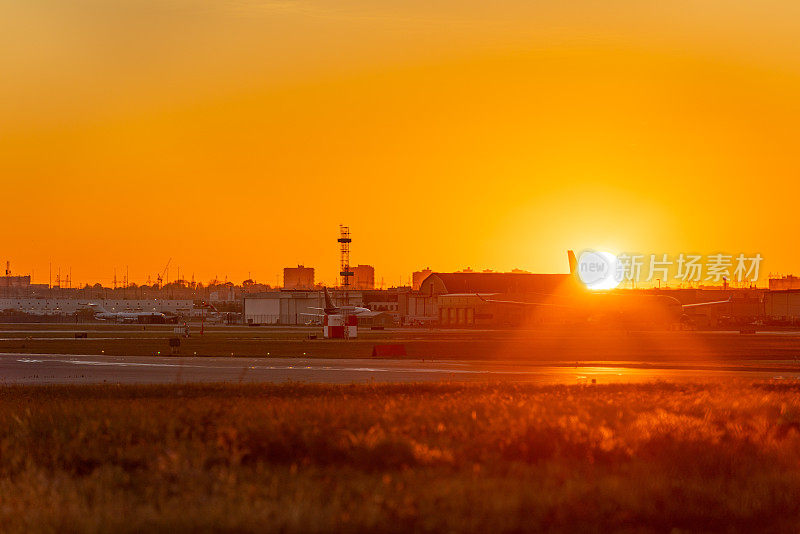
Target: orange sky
[234, 136]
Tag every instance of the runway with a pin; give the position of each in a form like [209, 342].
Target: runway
[93, 369]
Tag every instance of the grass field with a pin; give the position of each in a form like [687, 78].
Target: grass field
[441, 457]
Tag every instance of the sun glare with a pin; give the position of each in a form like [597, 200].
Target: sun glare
[597, 270]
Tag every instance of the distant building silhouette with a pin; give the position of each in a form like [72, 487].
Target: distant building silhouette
[785, 282]
[15, 281]
[299, 277]
[364, 277]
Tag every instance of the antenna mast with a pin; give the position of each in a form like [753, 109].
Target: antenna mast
[344, 254]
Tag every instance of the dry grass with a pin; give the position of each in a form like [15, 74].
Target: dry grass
[479, 458]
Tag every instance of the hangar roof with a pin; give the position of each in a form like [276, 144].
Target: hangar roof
[443, 283]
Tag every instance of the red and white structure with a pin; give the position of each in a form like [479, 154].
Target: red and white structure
[339, 326]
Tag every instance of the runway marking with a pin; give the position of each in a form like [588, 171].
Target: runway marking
[605, 371]
[43, 368]
[290, 367]
[67, 338]
[286, 367]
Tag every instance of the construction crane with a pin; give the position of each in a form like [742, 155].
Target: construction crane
[164, 274]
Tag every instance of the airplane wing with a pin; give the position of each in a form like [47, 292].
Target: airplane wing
[699, 304]
[362, 314]
[368, 314]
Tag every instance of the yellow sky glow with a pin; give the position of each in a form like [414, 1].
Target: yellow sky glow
[234, 137]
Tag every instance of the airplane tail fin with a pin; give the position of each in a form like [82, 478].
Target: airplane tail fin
[573, 262]
[328, 301]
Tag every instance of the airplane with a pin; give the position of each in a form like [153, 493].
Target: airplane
[331, 309]
[625, 307]
[208, 313]
[102, 314]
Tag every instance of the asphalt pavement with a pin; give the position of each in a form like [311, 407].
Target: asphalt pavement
[92, 369]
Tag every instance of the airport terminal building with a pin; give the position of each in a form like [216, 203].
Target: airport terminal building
[66, 306]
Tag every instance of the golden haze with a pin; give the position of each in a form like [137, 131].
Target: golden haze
[235, 136]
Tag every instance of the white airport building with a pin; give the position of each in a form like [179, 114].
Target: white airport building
[292, 307]
[44, 306]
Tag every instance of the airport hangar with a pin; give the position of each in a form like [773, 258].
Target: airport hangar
[298, 307]
[454, 297]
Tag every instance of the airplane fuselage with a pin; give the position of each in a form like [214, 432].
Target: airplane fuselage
[346, 310]
[125, 317]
